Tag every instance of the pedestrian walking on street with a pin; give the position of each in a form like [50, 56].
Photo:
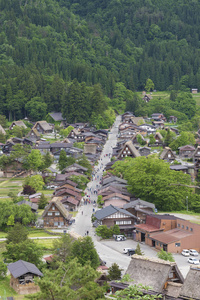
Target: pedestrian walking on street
[87, 232]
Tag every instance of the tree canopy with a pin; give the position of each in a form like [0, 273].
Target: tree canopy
[152, 180]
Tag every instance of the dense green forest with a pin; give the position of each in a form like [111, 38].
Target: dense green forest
[55, 54]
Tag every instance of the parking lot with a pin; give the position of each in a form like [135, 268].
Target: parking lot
[181, 260]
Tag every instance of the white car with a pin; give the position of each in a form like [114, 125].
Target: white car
[120, 238]
[193, 252]
[185, 252]
[125, 250]
[193, 260]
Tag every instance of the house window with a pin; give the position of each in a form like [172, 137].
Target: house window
[182, 226]
[177, 244]
[49, 213]
[169, 155]
[191, 229]
[187, 227]
[157, 243]
[62, 223]
[178, 225]
[55, 223]
[53, 207]
[57, 213]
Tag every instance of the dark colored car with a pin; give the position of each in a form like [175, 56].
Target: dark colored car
[131, 252]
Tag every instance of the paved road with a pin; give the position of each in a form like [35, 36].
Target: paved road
[110, 250]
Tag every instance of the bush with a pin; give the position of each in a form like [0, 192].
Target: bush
[3, 270]
[105, 233]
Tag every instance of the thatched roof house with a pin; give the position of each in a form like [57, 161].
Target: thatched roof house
[17, 123]
[154, 272]
[167, 154]
[190, 288]
[128, 150]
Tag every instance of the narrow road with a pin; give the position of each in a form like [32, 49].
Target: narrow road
[83, 222]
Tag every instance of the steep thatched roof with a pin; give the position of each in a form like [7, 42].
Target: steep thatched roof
[18, 123]
[60, 207]
[153, 272]
[165, 152]
[133, 150]
[190, 288]
[44, 125]
[158, 134]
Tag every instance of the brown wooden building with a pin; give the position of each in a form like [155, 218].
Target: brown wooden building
[56, 215]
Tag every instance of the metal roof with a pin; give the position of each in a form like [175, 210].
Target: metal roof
[22, 267]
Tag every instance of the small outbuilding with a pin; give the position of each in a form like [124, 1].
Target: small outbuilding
[23, 274]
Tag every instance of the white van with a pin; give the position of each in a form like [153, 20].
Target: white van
[120, 238]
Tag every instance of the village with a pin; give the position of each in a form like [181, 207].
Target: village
[83, 194]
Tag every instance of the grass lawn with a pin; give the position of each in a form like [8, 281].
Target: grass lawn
[6, 290]
[46, 244]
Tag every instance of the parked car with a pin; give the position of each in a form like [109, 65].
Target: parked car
[193, 260]
[125, 250]
[120, 238]
[193, 252]
[185, 252]
[131, 252]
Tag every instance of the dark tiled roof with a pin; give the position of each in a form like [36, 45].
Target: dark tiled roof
[32, 205]
[22, 267]
[110, 210]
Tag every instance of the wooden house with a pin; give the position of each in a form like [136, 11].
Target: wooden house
[23, 275]
[15, 169]
[128, 150]
[116, 199]
[140, 209]
[158, 117]
[167, 154]
[70, 203]
[17, 123]
[57, 118]
[33, 206]
[147, 98]
[144, 151]
[55, 214]
[33, 134]
[159, 139]
[43, 127]
[111, 215]
[186, 151]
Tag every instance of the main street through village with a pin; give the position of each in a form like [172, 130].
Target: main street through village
[110, 251]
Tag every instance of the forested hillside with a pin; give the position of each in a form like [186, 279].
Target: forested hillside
[106, 47]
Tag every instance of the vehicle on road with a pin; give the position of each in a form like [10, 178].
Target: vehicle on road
[193, 252]
[131, 252]
[185, 252]
[120, 238]
[125, 250]
[193, 260]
